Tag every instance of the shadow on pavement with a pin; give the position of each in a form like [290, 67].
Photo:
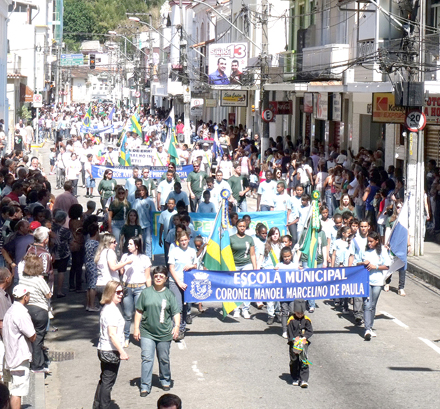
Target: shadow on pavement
[412, 369]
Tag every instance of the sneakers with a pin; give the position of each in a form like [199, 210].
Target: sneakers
[166, 388]
[144, 394]
[236, 314]
[43, 370]
[295, 383]
[304, 384]
[189, 319]
[270, 320]
[311, 310]
[246, 314]
[386, 288]
[285, 335]
[401, 292]
[367, 335]
[126, 343]
[359, 321]
[373, 334]
[93, 309]
[345, 311]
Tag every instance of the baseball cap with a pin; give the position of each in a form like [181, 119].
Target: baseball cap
[20, 290]
[34, 225]
[206, 144]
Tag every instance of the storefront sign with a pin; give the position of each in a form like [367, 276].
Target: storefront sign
[321, 107]
[308, 103]
[281, 107]
[233, 98]
[210, 103]
[432, 109]
[337, 107]
[384, 109]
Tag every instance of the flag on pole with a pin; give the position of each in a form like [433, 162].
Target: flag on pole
[88, 118]
[218, 255]
[135, 125]
[172, 150]
[310, 243]
[124, 155]
[169, 123]
[111, 114]
[398, 241]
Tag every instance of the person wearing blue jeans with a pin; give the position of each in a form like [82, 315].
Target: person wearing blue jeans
[376, 259]
[156, 323]
[136, 277]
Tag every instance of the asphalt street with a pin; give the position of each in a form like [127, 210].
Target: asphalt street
[238, 363]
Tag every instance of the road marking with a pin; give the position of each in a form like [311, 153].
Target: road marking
[430, 344]
[395, 320]
[198, 373]
[181, 344]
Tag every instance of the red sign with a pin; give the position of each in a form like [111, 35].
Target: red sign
[231, 118]
[281, 107]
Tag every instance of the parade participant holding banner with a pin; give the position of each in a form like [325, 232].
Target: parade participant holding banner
[182, 258]
[243, 251]
[196, 184]
[106, 188]
[375, 257]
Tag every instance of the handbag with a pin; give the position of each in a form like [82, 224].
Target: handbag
[109, 357]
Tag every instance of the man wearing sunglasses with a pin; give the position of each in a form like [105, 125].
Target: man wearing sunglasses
[196, 184]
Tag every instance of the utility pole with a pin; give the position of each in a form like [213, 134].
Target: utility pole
[185, 78]
[151, 99]
[264, 95]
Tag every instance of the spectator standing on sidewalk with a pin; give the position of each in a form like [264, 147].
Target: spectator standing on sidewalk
[18, 334]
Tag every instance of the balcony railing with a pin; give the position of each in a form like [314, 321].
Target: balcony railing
[326, 62]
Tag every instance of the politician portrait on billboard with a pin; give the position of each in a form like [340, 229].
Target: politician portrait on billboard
[226, 63]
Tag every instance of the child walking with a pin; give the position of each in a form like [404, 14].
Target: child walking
[299, 332]
[287, 263]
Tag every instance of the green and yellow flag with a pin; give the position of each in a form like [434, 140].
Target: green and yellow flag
[135, 125]
[310, 243]
[88, 118]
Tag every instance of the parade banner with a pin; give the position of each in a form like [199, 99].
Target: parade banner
[276, 285]
[124, 172]
[204, 222]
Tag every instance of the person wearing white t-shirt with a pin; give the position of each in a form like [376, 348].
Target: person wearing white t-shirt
[160, 157]
[266, 192]
[135, 278]
[181, 259]
[107, 262]
[163, 190]
[110, 340]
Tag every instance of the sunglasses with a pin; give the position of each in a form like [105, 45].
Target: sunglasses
[120, 292]
[113, 242]
[159, 276]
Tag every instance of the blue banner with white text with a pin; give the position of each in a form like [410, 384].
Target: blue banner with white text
[204, 223]
[124, 172]
[276, 285]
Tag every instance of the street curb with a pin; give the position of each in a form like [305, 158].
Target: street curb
[424, 274]
[39, 146]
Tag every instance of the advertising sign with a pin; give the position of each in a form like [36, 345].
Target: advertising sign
[226, 63]
[210, 103]
[321, 107]
[384, 109]
[281, 107]
[234, 98]
[336, 107]
[308, 103]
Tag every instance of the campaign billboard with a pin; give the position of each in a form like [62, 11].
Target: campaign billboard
[226, 63]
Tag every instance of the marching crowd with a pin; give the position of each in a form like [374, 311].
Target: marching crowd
[43, 235]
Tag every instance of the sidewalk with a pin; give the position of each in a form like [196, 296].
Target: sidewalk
[427, 267]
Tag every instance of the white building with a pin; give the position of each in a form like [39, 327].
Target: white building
[3, 60]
